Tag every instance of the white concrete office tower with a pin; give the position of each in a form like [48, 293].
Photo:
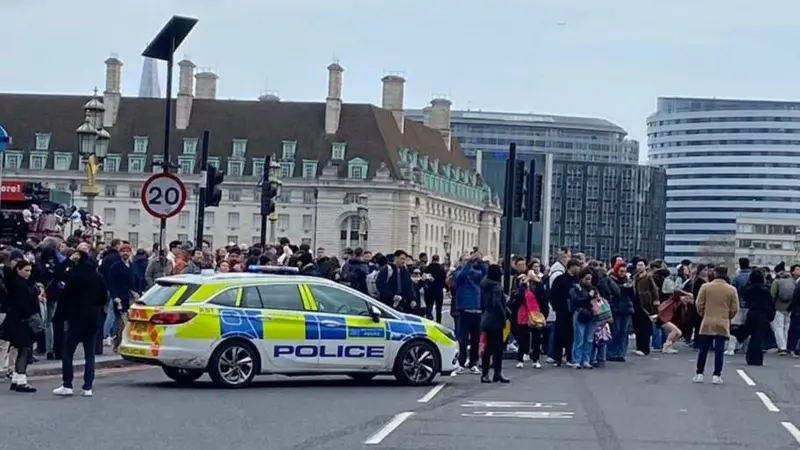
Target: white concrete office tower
[724, 159]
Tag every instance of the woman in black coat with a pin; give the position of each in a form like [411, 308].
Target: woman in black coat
[493, 321]
[22, 305]
[760, 312]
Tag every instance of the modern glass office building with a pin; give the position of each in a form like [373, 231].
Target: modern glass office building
[568, 138]
[724, 159]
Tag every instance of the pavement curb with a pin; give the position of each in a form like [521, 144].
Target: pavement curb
[115, 363]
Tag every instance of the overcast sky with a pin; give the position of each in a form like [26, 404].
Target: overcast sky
[600, 58]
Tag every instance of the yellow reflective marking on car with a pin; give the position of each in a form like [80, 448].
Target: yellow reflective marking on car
[203, 293]
[308, 298]
[178, 293]
[205, 325]
[284, 325]
[435, 334]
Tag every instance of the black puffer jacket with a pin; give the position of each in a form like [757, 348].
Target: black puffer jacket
[22, 303]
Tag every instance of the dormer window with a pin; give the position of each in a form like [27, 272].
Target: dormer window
[309, 169]
[258, 167]
[239, 148]
[140, 144]
[189, 146]
[357, 169]
[42, 141]
[289, 149]
[235, 168]
[338, 150]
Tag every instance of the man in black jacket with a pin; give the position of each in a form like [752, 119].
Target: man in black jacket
[559, 299]
[84, 297]
[434, 296]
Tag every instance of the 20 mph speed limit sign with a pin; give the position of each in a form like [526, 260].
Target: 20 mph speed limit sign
[163, 195]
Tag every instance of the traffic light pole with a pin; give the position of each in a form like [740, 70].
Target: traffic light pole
[529, 205]
[508, 211]
[201, 202]
[265, 198]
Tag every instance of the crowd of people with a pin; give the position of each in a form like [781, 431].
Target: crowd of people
[60, 294]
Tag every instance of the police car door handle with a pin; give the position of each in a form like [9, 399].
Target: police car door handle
[330, 323]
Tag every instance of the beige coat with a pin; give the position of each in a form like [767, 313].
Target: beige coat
[717, 303]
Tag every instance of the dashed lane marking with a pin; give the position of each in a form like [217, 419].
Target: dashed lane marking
[744, 376]
[432, 393]
[792, 430]
[767, 402]
[387, 429]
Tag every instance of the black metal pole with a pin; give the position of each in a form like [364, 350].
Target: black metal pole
[201, 202]
[265, 199]
[162, 228]
[508, 206]
[531, 181]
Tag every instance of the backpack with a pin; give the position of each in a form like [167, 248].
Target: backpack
[372, 281]
[785, 289]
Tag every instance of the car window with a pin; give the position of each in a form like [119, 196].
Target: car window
[226, 298]
[281, 296]
[251, 298]
[162, 292]
[337, 301]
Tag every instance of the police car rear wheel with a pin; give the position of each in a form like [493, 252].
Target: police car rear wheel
[233, 364]
[182, 376]
[417, 364]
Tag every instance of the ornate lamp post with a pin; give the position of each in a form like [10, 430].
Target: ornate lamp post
[414, 234]
[93, 143]
[363, 212]
[276, 184]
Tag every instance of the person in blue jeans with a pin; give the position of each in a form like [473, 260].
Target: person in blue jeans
[717, 303]
[467, 280]
[80, 307]
[580, 297]
[621, 294]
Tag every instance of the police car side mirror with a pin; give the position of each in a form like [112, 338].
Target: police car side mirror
[375, 313]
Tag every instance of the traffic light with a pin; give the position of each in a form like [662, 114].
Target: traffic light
[269, 192]
[519, 188]
[537, 197]
[214, 178]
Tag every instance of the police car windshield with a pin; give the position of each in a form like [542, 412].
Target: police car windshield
[160, 293]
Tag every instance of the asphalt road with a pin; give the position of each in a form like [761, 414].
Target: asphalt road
[645, 404]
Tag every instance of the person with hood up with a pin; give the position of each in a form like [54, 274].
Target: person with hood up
[354, 272]
[467, 280]
[82, 302]
[493, 320]
[23, 320]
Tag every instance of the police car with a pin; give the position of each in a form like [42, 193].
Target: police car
[236, 326]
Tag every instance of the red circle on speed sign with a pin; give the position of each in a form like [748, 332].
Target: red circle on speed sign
[163, 195]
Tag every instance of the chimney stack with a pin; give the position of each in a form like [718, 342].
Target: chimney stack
[113, 93]
[393, 91]
[333, 104]
[206, 87]
[439, 118]
[183, 105]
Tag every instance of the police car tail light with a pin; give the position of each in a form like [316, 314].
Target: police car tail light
[172, 317]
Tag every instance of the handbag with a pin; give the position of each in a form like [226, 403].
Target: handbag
[536, 319]
[35, 323]
[602, 310]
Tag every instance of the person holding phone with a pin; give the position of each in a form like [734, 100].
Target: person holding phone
[581, 297]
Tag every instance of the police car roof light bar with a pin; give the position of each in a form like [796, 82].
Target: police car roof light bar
[273, 270]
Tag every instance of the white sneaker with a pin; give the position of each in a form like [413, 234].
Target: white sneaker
[459, 370]
[639, 353]
[62, 391]
[716, 379]
[526, 357]
[537, 365]
[520, 365]
[108, 342]
[87, 393]
[475, 370]
[668, 349]
[730, 352]
[698, 378]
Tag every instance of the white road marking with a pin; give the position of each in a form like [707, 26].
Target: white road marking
[387, 429]
[521, 414]
[792, 430]
[767, 402]
[432, 393]
[747, 380]
[504, 404]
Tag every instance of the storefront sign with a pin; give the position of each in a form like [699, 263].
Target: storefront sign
[12, 191]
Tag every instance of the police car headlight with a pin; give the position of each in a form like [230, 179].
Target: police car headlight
[447, 332]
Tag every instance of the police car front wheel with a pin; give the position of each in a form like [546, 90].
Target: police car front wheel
[182, 376]
[233, 364]
[417, 364]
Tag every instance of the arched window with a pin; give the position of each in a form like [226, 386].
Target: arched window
[349, 233]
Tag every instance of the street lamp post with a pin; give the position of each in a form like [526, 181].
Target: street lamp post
[414, 233]
[73, 186]
[93, 143]
[446, 245]
[363, 212]
[276, 184]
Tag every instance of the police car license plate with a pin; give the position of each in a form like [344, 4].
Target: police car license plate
[133, 351]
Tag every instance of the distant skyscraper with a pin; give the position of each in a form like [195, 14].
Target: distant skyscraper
[148, 86]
